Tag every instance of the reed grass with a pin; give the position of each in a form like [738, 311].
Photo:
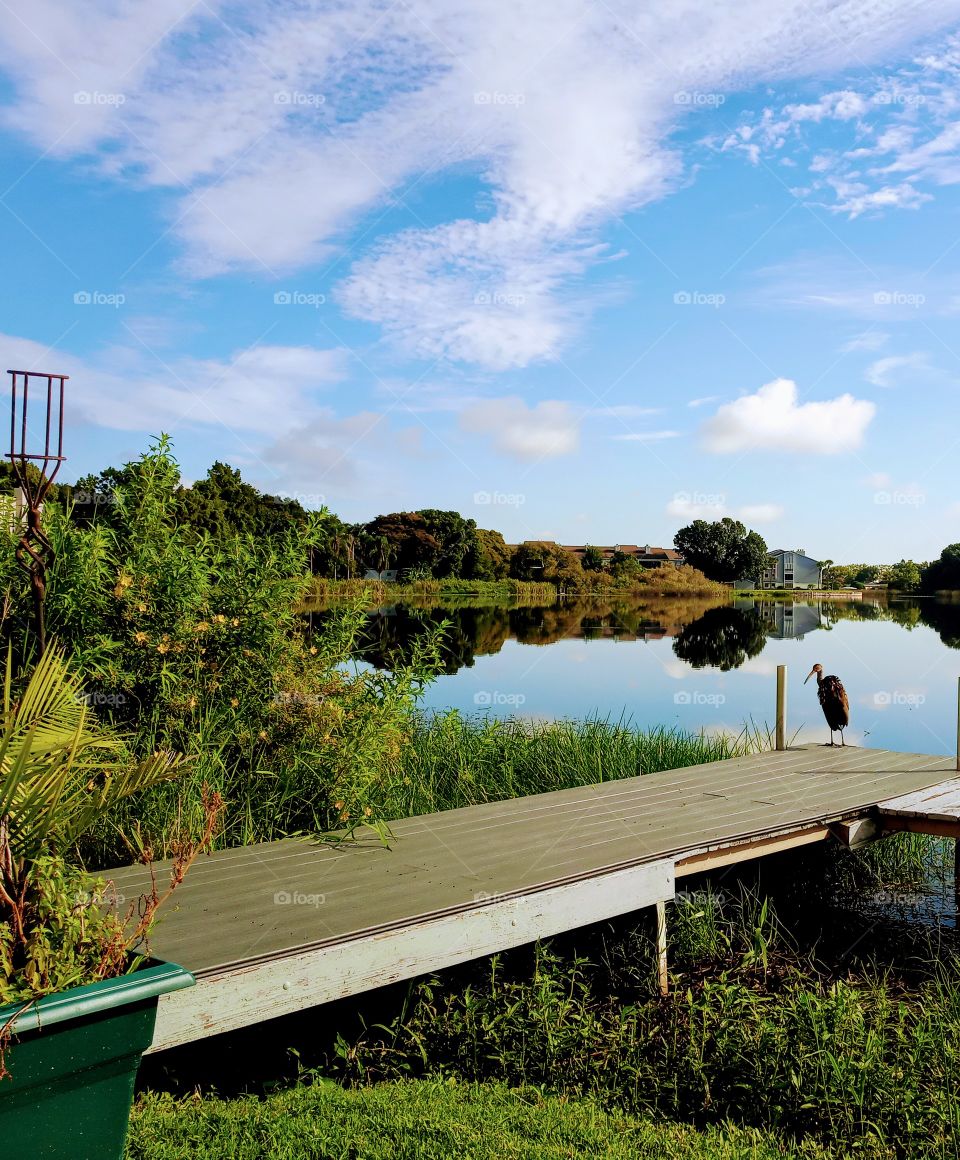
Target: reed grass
[754, 1032]
[459, 761]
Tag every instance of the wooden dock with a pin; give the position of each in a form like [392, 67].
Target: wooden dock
[271, 929]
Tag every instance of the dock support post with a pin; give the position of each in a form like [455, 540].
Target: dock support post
[663, 981]
[782, 707]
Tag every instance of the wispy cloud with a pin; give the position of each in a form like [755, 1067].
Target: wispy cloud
[282, 129]
[886, 372]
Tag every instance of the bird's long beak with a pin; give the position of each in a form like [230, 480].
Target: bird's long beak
[809, 675]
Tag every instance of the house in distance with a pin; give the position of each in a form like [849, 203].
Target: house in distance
[790, 569]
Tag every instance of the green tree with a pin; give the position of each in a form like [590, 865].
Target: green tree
[722, 550]
[540, 560]
[399, 540]
[223, 502]
[945, 572]
[456, 538]
[624, 566]
[592, 560]
[490, 558]
[904, 576]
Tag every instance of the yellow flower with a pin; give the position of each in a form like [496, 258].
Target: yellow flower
[263, 735]
[219, 618]
[163, 647]
[338, 805]
[141, 608]
[313, 650]
[202, 627]
[367, 812]
[234, 702]
[140, 637]
[235, 621]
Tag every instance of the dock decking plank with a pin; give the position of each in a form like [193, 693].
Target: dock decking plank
[226, 914]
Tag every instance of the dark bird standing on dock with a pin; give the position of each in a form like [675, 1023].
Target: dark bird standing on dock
[833, 701]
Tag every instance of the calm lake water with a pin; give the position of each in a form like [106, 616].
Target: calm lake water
[695, 664]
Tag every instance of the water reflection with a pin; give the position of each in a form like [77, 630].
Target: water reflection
[703, 633]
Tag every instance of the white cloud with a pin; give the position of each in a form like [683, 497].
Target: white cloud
[539, 432]
[866, 340]
[903, 133]
[707, 506]
[886, 372]
[647, 436]
[623, 411]
[705, 401]
[281, 127]
[774, 420]
[760, 513]
[687, 508]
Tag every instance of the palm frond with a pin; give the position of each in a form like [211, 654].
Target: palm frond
[60, 769]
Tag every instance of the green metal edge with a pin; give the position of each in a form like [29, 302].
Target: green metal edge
[158, 978]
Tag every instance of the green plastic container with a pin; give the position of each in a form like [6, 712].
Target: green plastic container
[73, 1063]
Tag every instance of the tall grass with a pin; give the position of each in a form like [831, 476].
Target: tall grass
[753, 1032]
[435, 762]
[459, 761]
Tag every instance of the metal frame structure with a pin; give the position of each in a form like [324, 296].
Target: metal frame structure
[34, 551]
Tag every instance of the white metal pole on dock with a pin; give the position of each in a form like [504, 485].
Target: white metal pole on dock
[958, 723]
[782, 709]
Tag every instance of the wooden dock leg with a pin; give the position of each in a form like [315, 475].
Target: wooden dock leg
[663, 981]
[781, 706]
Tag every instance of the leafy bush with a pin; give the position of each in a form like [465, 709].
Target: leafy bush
[196, 645]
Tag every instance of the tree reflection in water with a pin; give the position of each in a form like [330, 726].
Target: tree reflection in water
[723, 638]
[705, 633]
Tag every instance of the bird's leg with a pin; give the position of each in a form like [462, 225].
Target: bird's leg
[842, 740]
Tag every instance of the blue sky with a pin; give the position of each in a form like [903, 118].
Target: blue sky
[580, 270]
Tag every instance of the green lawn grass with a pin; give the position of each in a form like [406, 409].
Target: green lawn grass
[426, 1120]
